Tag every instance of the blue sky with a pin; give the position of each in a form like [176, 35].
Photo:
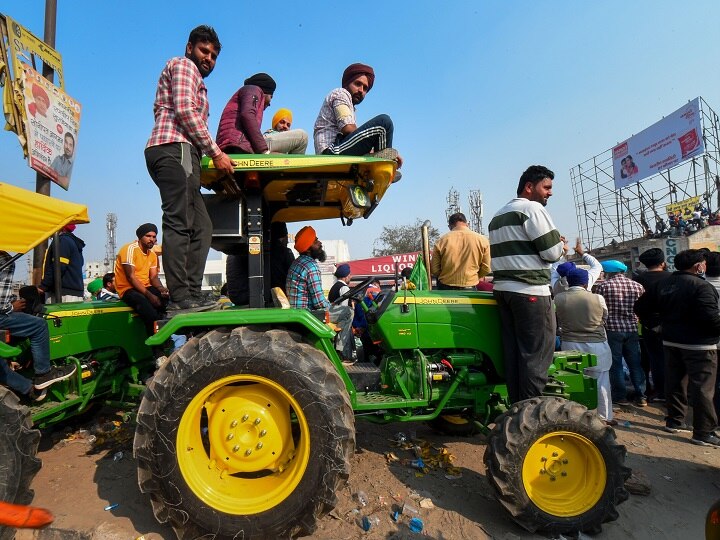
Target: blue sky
[477, 90]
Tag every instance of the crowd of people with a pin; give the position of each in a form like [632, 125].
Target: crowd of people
[681, 223]
[665, 327]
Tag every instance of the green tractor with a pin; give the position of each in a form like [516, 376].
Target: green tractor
[248, 429]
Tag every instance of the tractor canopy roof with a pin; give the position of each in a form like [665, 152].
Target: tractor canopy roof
[27, 218]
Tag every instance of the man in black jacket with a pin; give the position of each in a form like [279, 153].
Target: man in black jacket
[71, 268]
[688, 308]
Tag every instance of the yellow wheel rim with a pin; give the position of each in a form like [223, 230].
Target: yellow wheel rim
[243, 444]
[564, 474]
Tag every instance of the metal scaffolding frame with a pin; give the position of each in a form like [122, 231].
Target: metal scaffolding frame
[606, 215]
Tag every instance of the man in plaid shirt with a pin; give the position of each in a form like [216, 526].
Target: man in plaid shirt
[172, 154]
[304, 288]
[620, 295]
[22, 324]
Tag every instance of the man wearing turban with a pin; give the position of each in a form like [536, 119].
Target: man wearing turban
[281, 139]
[581, 318]
[136, 277]
[336, 131]
[239, 130]
[304, 288]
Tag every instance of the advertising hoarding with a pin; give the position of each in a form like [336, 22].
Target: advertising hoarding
[672, 140]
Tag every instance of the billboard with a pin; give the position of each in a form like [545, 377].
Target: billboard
[683, 208]
[23, 45]
[52, 122]
[382, 265]
[672, 140]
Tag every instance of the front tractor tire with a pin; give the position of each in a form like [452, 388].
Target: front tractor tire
[244, 433]
[556, 466]
[18, 454]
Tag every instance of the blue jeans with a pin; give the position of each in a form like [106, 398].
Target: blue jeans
[36, 328]
[625, 345]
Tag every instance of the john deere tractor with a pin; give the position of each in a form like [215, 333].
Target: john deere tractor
[248, 429]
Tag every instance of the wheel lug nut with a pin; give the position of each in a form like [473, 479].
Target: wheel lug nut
[563, 473]
[259, 445]
[565, 461]
[257, 421]
[552, 478]
[230, 436]
[236, 448]
[542, 471]
[263, 432]
[543, 459]
[248, 452]
[233, 423]
[555, 454]
[245, 417]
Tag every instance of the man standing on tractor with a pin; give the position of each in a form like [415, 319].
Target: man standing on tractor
[304, 288]
[172, 155]
[136, 277]
[461, 257]
[22, 324]
[336, 131]
[524, 243]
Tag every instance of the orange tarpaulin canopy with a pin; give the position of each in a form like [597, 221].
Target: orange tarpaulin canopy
[27, 218]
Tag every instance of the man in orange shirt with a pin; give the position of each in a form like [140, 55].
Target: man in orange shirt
[136, 277]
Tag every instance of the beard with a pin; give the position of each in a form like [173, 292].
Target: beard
[204, 70]
[318, 254]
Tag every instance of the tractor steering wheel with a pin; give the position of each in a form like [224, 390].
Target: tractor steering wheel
[357, 292]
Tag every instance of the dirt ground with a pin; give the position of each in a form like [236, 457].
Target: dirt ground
[79, 480]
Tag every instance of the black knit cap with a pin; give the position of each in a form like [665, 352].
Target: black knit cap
[264, 81]
[145, 228]
[652, 257]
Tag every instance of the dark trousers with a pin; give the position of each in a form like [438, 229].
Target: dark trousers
[186, 225]
[236, 273]
[375, 134]
[690, 380]
[142, 306]
[528, 337]
[651, 349]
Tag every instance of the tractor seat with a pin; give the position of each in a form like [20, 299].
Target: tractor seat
[279, 298]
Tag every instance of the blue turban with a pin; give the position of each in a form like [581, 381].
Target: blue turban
[565, 268]
[578, 277]
[613, 267]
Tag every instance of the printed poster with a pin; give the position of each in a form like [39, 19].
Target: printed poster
[52, 125]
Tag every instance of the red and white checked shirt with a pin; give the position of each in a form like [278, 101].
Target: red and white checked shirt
[620, 294]
[181, 108]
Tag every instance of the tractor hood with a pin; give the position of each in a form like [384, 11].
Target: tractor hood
[28, 218]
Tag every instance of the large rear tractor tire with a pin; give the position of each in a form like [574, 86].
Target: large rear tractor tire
[18, 454]
[246, 434]
[556, 466]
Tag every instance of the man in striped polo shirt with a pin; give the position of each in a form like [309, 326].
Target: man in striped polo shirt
[523, 245]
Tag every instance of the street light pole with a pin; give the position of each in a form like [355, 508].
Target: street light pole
[42, 182]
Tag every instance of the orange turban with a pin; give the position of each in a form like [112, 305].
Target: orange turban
[282, 113]
[39, 92]
[304, 239]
